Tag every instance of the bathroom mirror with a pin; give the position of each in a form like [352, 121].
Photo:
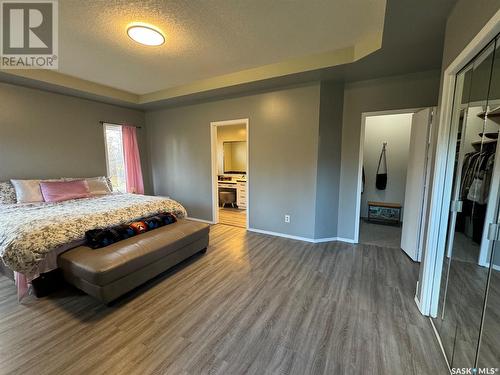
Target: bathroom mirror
[235, 157]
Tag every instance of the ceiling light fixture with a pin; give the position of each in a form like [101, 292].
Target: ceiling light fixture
[145, 34]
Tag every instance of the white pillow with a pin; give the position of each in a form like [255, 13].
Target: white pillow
[98, 186]
[27, 191]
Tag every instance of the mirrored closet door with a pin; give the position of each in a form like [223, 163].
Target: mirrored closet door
[489, 345]
[467, 294]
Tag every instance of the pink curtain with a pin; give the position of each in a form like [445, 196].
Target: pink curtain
[133, 172]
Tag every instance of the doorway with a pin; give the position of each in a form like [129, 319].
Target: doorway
[393, 182]
[229, 140]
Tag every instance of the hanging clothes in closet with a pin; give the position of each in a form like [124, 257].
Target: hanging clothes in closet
[477, 170]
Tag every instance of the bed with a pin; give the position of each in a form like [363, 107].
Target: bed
[33, 235]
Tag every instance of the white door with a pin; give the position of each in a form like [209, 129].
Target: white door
[417, 177]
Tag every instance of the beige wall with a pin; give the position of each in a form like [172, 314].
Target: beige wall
[50, 135]
[283, 151]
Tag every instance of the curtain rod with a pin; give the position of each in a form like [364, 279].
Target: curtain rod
[119, 123]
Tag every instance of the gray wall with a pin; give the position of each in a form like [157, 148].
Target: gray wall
[401, 92]
[464, 22]
[329, 154]
[50, 135]
[283, 148]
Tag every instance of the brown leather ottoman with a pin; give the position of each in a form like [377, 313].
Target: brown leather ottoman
[111, 271]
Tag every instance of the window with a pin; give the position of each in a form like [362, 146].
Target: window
[115, 161]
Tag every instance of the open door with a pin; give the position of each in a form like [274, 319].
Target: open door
[416, 184]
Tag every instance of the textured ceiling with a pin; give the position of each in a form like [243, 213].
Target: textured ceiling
[412, 41]
[204, 38]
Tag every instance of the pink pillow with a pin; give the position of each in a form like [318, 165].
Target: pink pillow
[58, 191]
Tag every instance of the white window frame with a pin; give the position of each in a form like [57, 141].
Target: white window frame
[106, 125]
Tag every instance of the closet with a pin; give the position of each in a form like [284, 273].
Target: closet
[469, 299]
[386, 153]
[396, 147]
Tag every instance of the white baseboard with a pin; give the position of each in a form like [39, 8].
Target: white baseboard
[438, 337]
[348, 240]
[305, 239]
[200, 220]
[328, 239]
[417, 302]
[277, 234]
[496, 267]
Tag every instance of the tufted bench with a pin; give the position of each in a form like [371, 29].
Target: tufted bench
[111, 271]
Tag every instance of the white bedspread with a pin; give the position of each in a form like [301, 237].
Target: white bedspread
[32, 235]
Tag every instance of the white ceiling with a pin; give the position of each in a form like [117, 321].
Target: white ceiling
[204, 38]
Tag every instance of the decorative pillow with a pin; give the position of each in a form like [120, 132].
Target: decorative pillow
[58, 191]
[27, 191]
[7, 193]
[98, 186]
[97, 238]
[106, 179]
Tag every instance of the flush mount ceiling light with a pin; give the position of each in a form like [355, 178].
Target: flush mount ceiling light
[145, 34]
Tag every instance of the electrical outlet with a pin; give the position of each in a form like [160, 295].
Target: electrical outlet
[287, 218]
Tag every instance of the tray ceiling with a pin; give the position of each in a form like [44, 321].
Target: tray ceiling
[209, 44]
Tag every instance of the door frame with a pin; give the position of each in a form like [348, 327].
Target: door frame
[427, 297]
[213, 153]
[359, 185]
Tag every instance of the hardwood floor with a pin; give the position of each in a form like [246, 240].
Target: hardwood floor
[460, 324]
[254, 304]
[379, 234]
[233, 216]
